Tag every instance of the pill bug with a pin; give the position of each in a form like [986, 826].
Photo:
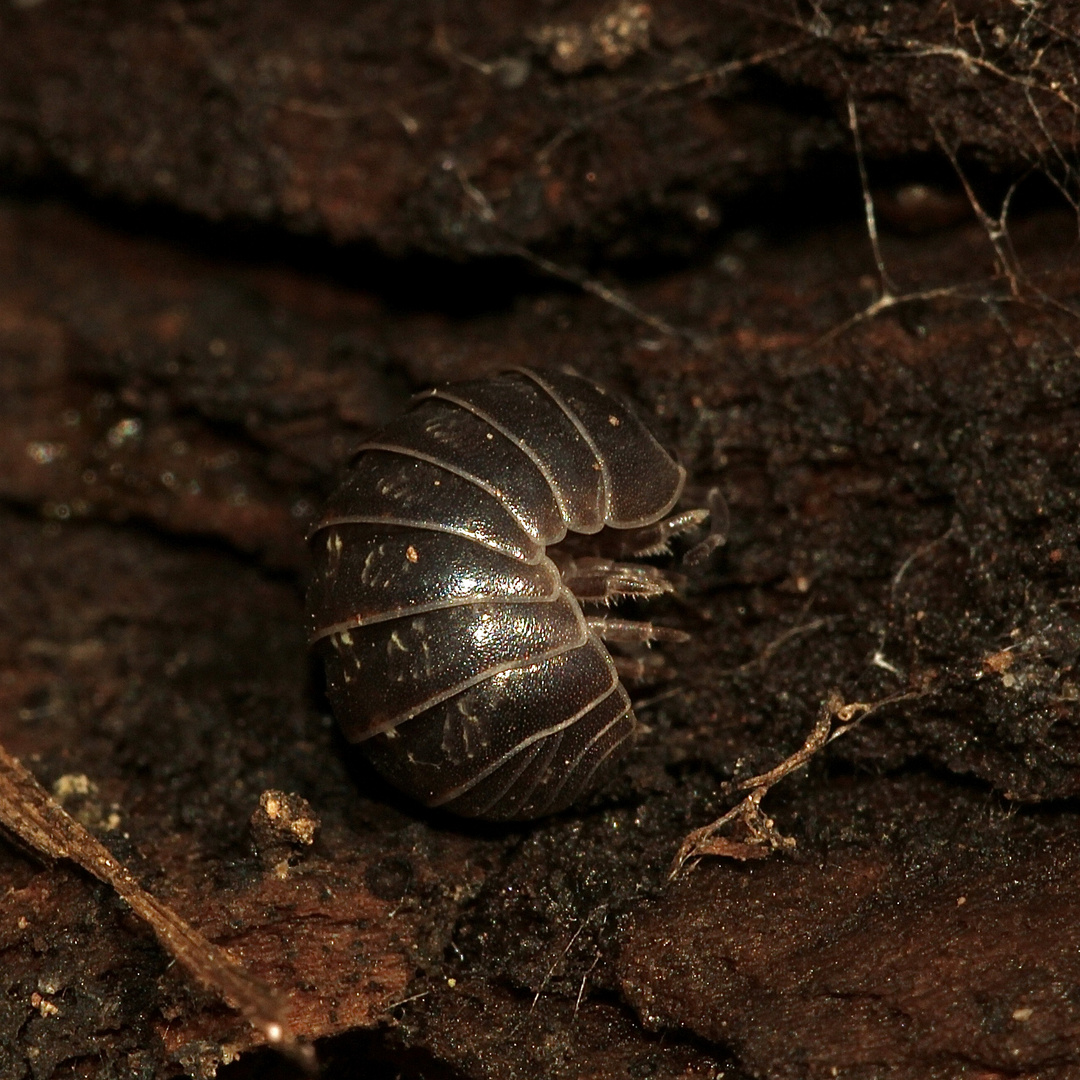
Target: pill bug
[456, 646]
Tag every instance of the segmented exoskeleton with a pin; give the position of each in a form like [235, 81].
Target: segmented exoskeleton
[456, 647]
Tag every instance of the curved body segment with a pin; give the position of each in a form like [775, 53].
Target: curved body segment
[455, 650]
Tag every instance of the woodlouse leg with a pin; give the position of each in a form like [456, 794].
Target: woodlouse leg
[649, 668]
[654, 539]
[719, 520]
[599, 581]
[632, 631]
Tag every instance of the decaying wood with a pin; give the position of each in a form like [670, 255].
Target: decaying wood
[829, 250]
[835, 718]
[32, 815]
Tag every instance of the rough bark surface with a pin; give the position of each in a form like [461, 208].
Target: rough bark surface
[392, 122]
[897, 445]
[948, 948]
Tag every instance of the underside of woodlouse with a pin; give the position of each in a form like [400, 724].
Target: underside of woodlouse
[451, 626]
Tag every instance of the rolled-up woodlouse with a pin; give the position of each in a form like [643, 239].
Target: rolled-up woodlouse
[455, 647]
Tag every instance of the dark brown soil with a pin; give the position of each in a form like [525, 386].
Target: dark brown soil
[235, 238]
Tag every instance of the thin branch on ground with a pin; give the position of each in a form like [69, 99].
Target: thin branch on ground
[608, 295]
[762, 837]
[918, 50]
[405, 1001]
[667, 86]
[1048, 158]
[584, 980]
[888, 289]
[996, 230]
[616, 299]
[884, 303]
[1053, 86]
[879, 659]
[774, 646]
[561, 957]
[890, 296]
[35, 818]
[1068, 172]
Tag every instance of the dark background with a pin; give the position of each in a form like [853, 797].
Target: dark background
[235, 237]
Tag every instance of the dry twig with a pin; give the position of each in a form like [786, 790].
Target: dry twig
[486, 212]
[834, 719]
[761, 659]
[665, 86]
[879, 659]
[889, 296]
[31, 814]
[888, 289]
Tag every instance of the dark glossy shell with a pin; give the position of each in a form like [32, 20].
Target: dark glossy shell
[453, 649]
